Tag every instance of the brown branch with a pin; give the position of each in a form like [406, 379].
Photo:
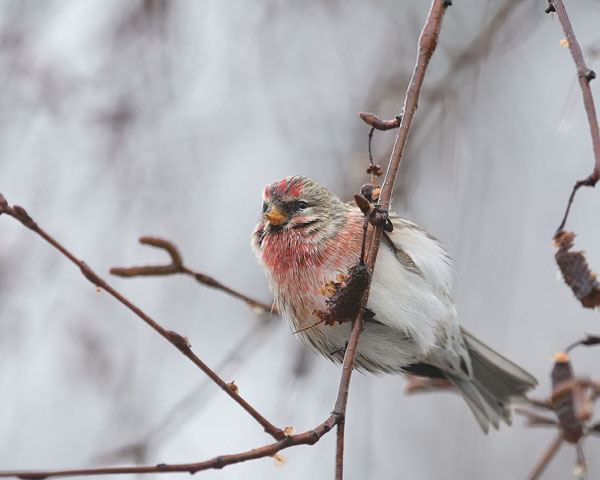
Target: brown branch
[427, 43]
[534, 419]
[544, 404]
[180, 342]
[545, 460]
[339, 450]
[582, 465]
[182, 411]
[587, 341]
[176, 266]
[309, 437]
[416, 384]
[572, 401]
[585, 75]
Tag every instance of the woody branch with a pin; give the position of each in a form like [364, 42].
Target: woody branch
[177, 266]
[285, 439]
[427, 44]
[178, 341]
[585, 76]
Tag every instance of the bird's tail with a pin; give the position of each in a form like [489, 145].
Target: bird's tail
[496, 383]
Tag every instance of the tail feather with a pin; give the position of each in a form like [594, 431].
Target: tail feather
[496, 383]
[506, 373]
[483, 411]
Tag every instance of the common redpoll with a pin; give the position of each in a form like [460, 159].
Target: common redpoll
[306, 237]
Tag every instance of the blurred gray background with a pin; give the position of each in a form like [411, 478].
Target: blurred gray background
[120, 119]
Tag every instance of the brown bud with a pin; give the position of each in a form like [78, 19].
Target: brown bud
[233, 387]
[362, 203]
[379, 124]
[23, 217]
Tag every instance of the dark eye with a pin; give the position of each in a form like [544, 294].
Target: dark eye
[302, 205]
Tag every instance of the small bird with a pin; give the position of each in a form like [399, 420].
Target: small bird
[306, 237]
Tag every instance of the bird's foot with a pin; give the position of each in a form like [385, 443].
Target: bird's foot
[340, 350]
[369, 314]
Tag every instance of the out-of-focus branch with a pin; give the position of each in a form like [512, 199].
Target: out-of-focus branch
[427, 44]
[545, 460]
[588, 340]
[177, 340]
[176, 266]
[182, 411]
[572, 401]
[585, 77]
[534, 419]
[416, 384]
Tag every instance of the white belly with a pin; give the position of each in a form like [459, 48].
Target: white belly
[410, 319]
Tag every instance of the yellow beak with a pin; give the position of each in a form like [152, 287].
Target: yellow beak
[275, 216]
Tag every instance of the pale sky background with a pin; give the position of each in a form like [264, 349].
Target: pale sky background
[121, 119]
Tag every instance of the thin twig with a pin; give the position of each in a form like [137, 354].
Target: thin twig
[309, 437]
[178, 341]
[377, 123]
[588, 340]
[177, 266]
[371, 130]
[416, 384]
[536, 402]
[427, 44]
[545, 460]
[183, 411]
[581, 462]
[534, 419]
[585, 75]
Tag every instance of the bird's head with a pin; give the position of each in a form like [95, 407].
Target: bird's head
[298, 203]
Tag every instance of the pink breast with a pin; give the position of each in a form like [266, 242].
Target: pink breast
[299, 262]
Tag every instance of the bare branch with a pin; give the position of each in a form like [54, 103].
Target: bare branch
[307, 438]
[339, 450]
[178, 341]
[534, 419]
[176, 266]
[585, 77]
[427, 43]
[181, 412]
[587, 341]
[416, 384]
[572, 402]
[545, 404]
[545, 460]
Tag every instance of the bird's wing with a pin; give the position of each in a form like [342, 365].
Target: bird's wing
[421, 253]
[412, 294]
